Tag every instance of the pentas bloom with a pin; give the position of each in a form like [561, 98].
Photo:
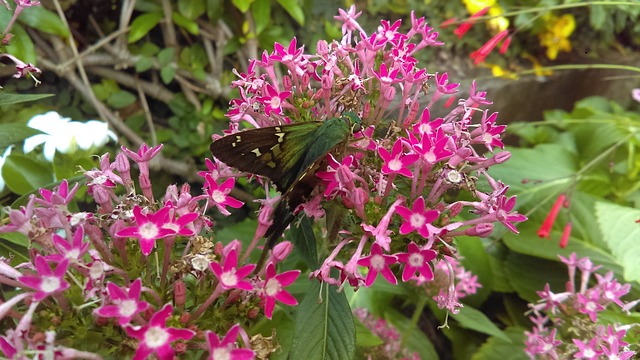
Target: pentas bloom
[556, 314]
[47, 281]
[229, 275]
[377, 262]
[156, 337]
[149, 228]
[225, 349]
[273, 288]
[126, 302]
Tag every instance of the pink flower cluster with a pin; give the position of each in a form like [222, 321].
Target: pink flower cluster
[566, 324]
[396, 177]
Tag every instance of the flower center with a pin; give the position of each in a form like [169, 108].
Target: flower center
[148, 231]
[416, 260]
[127, 307]
[156, 337]
[218, 196]
[272, 288]
[417, 220]
[50, 284]
[377, 262]
[229, 278]
[221, 353]
[395, 164]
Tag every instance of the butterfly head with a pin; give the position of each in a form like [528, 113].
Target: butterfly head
[353, 120]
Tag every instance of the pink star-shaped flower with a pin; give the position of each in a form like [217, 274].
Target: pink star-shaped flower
[148, 228]
[378, 263]
[226, 348]
[126, 303]
[47, 281]
[397, 161]
[155, 337]
[230, 276]
[416, 260]
[219, 194]
[273, 288]
[417, 218]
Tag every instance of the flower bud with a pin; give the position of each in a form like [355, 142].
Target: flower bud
[180, 294]
[481, 230]
[281, 251]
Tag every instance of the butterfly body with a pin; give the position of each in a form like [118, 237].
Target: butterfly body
[289, 155]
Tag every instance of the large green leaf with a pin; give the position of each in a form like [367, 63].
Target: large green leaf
[142, 25]
[261, 10]
[470, 318]
[415, 339]
[23, 174]
[528, 275]
[21, 45]
[294, 9]
[191, 9]
[498, 348]
[324, 329]
[12, 133]
[305, 242]
[44, 20]
[621, 232]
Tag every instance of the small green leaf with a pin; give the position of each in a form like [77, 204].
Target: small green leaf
[17, 238]
[185, 23]
[498, 348]
[23, 174]
[293, 8]
[597, 16]
[261, 10]
[242, 5]
[12, 133]
[324, 328]
[191, 9]
[167, 74]
[142, 25]
[143, 64]
[165, 56]
[43, 20]
[364, 336]
[10, 99]
[121, 99]
[470, 318]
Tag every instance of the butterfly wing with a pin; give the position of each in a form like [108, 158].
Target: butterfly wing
[276, 152]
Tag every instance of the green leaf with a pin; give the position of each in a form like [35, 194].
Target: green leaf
[293, 8]
[597, 16]
[528, 275]
[17, 238]
[261, 10]
[165, 56]
[470, 318]
[12, 133]
[364, 336]
[43, 20]
[215, 9]
[23, 174]
[305, 242]
[191, 9]
[167, 74]
[143, 64]
[621, 232]
[498, 348]
[121, 99]
[142, 25]
[185, 23]
[10, 99]
[242, 5]
[324, 329]
[415, 339]
[21, 45]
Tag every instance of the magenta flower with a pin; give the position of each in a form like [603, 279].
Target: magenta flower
[219, 194]
[148, 228]
[590, 304]
[273, 100]
[126, 303]
[273, 288]
[377, 262]
[397, 161]
[226, 348]
[60, 196]
[417, 260]
[72, 251]
[179, 225]
[417, 218]
[7, 348]
[587, 350]
[46, 282]
[155, 337]
[230, 276]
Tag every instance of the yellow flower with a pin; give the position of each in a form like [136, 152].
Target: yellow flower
[473, 6]
[556, 36]
[537, 68]
[498, 24]
[499, 71]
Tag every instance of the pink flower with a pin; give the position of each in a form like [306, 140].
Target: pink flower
[148, 228]
[377, 262]
[46, 282]
[230, 276]
[72, 251]
[126, 302]
[219, 194]
[60, 196]
[417, 218]
[273, 100]
[226, 348]
[273, 288]
[590, 304]
[397, 161]
[155, 337]
[417, 260]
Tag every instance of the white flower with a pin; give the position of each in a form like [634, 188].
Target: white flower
[3, 158]
[65, 135]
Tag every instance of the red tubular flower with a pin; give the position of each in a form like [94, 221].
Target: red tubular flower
[545, 229]
[465, 26]
[479, 55]
[564, 240]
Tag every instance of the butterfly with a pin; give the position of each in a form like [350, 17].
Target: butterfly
[289, 155]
